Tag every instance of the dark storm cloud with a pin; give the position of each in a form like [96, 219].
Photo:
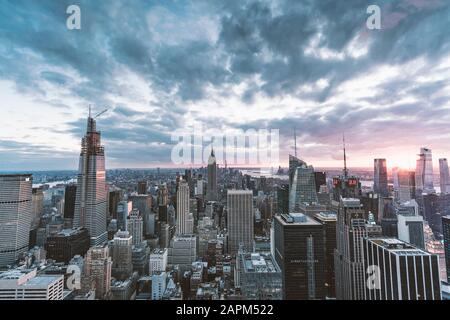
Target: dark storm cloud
[267, 39]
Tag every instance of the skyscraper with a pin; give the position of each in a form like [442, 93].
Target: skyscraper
[446, 235]
[444, 176]
[70, 195]
[303, 188]
[135, 226]
[405, 272]
[328, 220]
[15, 216]
[211, 189]
[240, 220]
[424, 171]
[90, 204]
[352, 227]
[122, 251]
[98, 271]
[406, 185]
[300, 253]
[183, 218]
[143, 202]
[380, 181]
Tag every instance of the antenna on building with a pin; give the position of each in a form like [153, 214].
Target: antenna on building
[89, 111]
[295, 142]
[345, 156]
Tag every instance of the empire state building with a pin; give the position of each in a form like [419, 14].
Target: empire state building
[90, 203]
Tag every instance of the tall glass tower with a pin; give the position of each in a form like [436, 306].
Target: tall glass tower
[91, 197]
[424, 171]
[380, 180]
[444, 176]
[15, 216]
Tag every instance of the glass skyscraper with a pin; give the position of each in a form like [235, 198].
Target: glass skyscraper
[303, 188]
[15, 216]
[380, 179]
[424, 171]
[91, 197]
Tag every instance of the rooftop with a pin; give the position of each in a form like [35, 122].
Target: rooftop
[260, 263]
[295, 218]
[398, 247]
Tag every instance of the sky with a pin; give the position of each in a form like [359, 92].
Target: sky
[162, 66]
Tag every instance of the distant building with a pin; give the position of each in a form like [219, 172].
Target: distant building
[380, 178]
[26, 284]
[122, 250]
[67, 243]
[114, 199]
[211, 188]
[424, 171]
[70, 195]
[15, 216]
[135, 226]
[240, 220]
[142, 187]
[143, 202]
[123, 210]
[407, 185]
[444, 176]
[299, 251]
[406, 272]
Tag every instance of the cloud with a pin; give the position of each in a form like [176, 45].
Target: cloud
[163, 65]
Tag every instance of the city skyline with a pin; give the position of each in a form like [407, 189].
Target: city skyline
[239, 65]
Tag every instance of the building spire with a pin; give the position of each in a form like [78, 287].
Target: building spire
[295, 142]
[89, 111]
[345, 156]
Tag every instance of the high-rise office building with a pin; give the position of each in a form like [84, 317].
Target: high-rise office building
[410, 224]
[135, 226]
[299, 251]
[380, 178]
[115, 196]
[37, 201]
[98, 271]
[143, 202]
[446, 236]
[320, 178]
[352, 227]
[294, 163]
[328, 220]
[90, 204]
[184, 224]
[123, 210]
[424, 171]
[406, 185]
[142, 187]
[158, 261]
[240, 220]
[70, 195]
[303, 188]
[183, 251]
[444, 176]
[66, 244]
[15, 216]
[122, 250]
[405, 272]
[283, 199]
[211, 189]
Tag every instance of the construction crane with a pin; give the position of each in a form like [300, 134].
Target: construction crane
[99, 114]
